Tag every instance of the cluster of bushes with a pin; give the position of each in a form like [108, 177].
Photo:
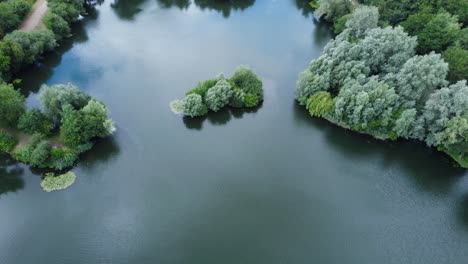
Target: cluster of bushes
[370, 79]
[51, 182]
[243, 89]
[53, 138]
[12, 13]
[439, 25]
[19, 48]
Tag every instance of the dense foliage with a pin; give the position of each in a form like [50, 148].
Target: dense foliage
[77, 117]
[12, 13]
[54, 183]
[369, 79]
[20, 48]
[440, 25]
[243, 89]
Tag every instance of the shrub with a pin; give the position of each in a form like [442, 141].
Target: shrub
[33, 121]
[54, 183]
[7, 141]
[219, 95]
[320, 104]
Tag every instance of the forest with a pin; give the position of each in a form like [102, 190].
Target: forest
[380, 77]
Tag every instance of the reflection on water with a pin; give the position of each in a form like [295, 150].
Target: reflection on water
[182, 4]
[33, 77]
[305, 7]
[218, 118]
[224, 6]
[127, 9]
[10, 175]
[432, 171]
[102, 152]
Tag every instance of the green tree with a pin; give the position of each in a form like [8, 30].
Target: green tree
[40, 154]
[11, 104]
[441, 32]
[245, 79]
[219, 95]
[54, 98]
[457, 59]
[72, 126]
[194, 106]
[33, 121]
[320, 104]
[95, 121]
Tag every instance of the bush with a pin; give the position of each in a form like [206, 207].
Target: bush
[54, 183]
[33, 121]
[320, 104]
[7, 141]
[219, 95]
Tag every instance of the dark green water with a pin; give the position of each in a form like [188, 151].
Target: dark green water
[268, 186]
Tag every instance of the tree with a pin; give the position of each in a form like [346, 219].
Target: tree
[409, 125]
[443, 105]
[441, 32]
[57, 24]
[95, 121]
[417, 22]
[457, 59]
[54, 98]
[367, 105]
[11, 104]
[332, 10]
[418, 78]
[33, 121]
[40, 154]
[245, 79]
[72, 126]
[194, 106]
[219, 95]
[238, 98]
[320, 104]
[362, 19]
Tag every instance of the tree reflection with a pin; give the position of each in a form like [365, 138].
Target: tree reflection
[305, 7]
[182, 4]
[10, 175]
[219, 118]
[224, 6]
[127, 9]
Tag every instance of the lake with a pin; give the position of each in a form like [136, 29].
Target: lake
[270, 185]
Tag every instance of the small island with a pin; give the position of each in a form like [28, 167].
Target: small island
[243, 89]
[51, 182]
[51, 137]
[371, 80]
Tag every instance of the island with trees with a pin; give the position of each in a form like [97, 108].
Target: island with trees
[243, 89]
[54, 136]
[390, 81]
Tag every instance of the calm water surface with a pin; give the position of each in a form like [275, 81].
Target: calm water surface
[267, 186]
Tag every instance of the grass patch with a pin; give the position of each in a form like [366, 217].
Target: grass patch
[54, 183]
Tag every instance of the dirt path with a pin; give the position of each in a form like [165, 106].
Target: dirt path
[34, 19]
